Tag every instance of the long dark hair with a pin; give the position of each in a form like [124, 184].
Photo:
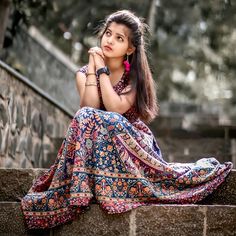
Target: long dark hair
[140, 73]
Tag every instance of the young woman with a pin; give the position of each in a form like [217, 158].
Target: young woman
[109, 155]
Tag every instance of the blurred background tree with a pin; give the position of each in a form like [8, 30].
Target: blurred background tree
[193, 42]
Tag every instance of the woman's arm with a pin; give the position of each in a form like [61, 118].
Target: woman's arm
[87, 87]
[111, 100]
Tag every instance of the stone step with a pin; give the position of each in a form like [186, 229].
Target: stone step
[187, 220]
[15, 183]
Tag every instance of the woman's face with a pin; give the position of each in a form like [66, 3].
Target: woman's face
[115, 41]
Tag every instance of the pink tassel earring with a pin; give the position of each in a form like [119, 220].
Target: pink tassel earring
[127, 64]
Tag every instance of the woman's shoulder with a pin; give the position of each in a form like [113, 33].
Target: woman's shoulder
[83, 69]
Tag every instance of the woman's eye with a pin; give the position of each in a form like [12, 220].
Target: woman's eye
[108, 33]
[120, 39]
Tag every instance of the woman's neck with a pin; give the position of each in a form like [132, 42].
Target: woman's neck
[115, 64]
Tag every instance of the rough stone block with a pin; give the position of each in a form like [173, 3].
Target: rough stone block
[221, 220]
[225, 194]
[4, 90]
[24, 115]
[96, 222]
[156, 220]
[57, 142]
[15, 183]
[169, 220]
[19, 116]
[3, 114]
[49, 159]
[12, 221]
[4, 142]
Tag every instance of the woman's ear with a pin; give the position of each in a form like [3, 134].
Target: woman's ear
[130, 50]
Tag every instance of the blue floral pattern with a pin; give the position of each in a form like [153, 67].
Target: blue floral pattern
[115, 161]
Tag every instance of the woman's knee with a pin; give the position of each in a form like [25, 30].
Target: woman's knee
[85, 111]
[115, 119]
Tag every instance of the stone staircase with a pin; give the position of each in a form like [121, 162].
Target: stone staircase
[216, 215]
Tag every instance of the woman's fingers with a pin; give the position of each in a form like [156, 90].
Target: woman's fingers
[91, 51]
[96, 50]
[100, 53]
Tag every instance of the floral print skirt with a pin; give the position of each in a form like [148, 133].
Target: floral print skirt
[108, 160]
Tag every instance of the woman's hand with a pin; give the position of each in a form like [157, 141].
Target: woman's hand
[98, 57]
[91, 64]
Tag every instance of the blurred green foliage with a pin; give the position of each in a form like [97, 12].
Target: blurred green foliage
[193, 42]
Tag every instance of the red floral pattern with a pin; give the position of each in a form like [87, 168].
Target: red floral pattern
[114, 160]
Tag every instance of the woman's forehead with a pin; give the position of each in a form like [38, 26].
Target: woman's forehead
[119, 29]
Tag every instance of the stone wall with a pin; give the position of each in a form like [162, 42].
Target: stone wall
[39, 60]
[30, 121]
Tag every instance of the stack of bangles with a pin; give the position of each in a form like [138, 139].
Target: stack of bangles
[90, 83]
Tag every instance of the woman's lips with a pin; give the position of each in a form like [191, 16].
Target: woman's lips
[108, 48]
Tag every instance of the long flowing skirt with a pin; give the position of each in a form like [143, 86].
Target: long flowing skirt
[108, 160]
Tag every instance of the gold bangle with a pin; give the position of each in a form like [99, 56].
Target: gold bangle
[91, 84]
[90, 74]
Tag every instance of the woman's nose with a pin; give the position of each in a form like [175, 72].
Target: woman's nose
[110, 40]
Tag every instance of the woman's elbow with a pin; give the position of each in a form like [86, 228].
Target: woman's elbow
[118, 109]
[94, 105]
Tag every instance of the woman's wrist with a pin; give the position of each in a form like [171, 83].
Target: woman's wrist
[88, 83]
[99, 67]
[91, 68]
[91, 79]
[90, 73]
[103, 70]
